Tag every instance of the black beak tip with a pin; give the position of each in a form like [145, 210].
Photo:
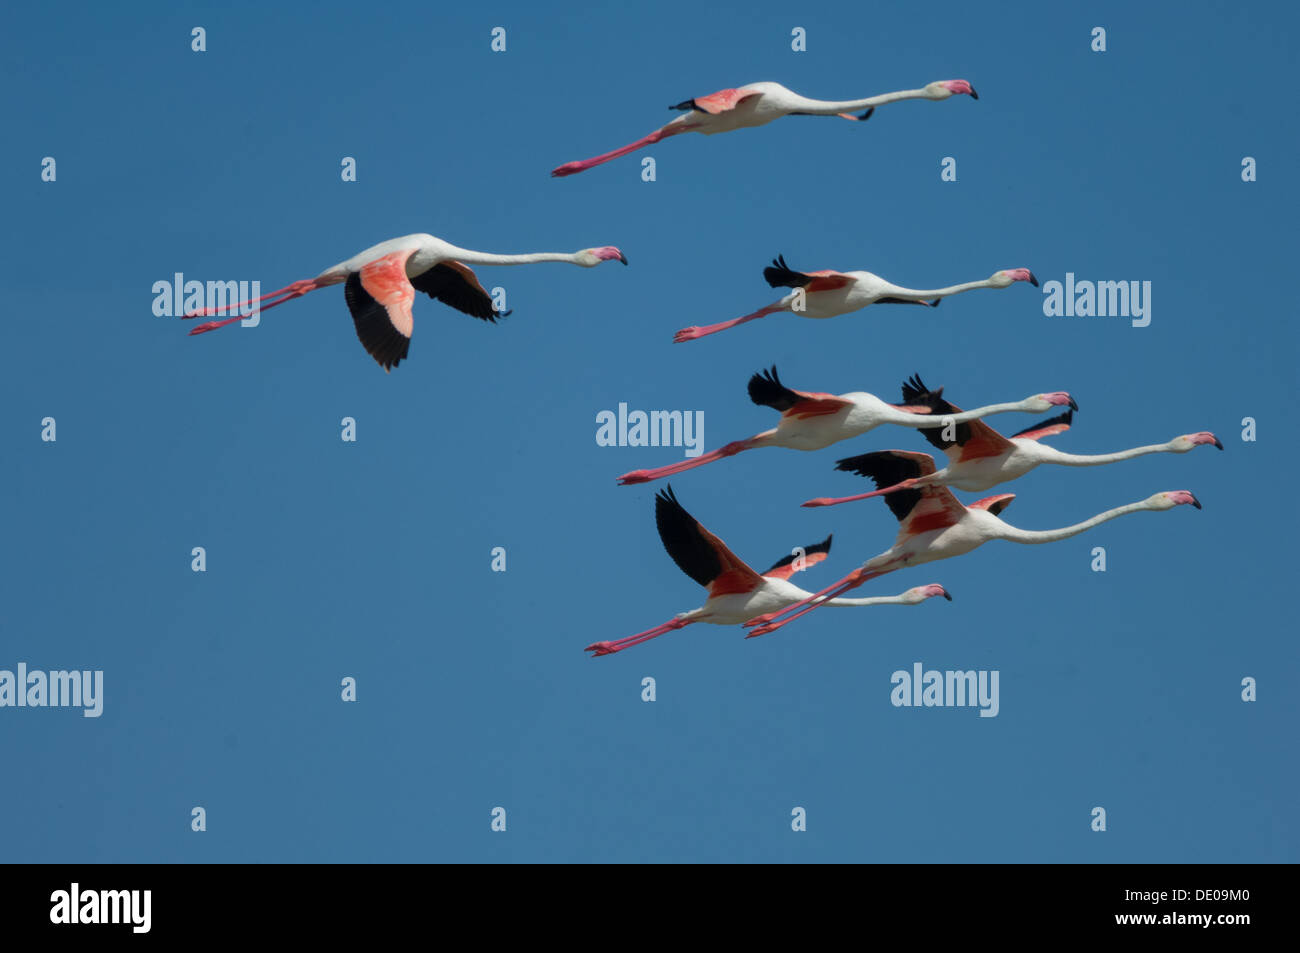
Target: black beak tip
[973, 94]
[1196, 503]
[947, 595]
[1217, 443]
[1074, 405]
[1032, 280]
[622, 258]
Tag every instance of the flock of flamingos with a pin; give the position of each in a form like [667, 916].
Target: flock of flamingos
[380, 285]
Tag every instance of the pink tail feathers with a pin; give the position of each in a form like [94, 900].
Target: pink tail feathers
[582, 165]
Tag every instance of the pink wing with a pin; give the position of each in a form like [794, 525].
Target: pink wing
[994, 504]
[816, 405]
[722, 100]
[380, 297]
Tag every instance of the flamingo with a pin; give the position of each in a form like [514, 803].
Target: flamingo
[736, 592]
[934, 525]
[382, 280]
[825, 294]
[758, 104]
[811, 421]
[980, 458]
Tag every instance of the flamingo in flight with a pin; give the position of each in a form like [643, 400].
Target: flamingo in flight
[934, 525]
[736, 592]
[825, 294]
[980, 458]
[380, 285]
[758, 104]
[811, 421]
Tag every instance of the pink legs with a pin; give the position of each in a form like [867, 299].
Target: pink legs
[765, 624]
[618, 645]
[645, 476]
[690, 334]
[287, 293]
[837, 500]
[570, 168]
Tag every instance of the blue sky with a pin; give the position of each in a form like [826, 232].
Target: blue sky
[372, 559]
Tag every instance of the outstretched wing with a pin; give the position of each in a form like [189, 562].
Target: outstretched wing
[936, 508]
[766, 389]
[890, 300]
[787, 567]
[719, 102]
[888, 468]
[994, 504]
[973, 441]
[917, 510]
[1048, 428]
[780, 275]
[699, 553]
[862, 118]
[457, 286]
[379, 297]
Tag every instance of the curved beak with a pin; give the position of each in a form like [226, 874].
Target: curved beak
[1074, 404]
[947, 595]
[1032, 280]
[622, 258]
[973, 94]
[1195, 502]
[1217, 443]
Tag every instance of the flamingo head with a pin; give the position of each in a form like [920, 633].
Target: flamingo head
[921, 593]
[591, 257]
[1171, 498]
[950, 87]
[1005, 279]
[1057, 398]
[1188, 441]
